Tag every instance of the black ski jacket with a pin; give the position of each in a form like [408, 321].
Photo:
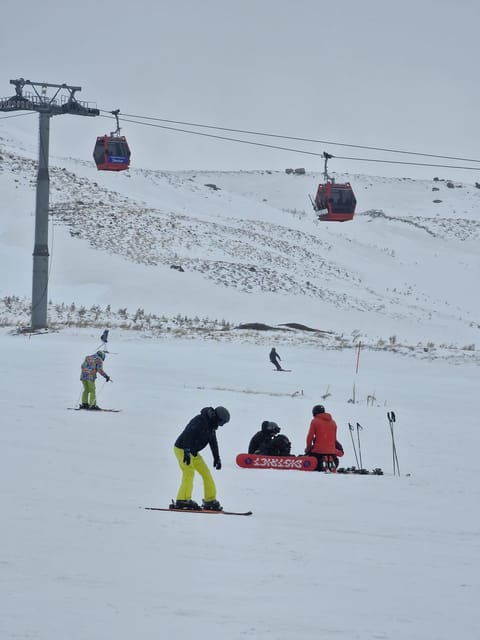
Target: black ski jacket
[259, 440]
[274, 357]
[200, 431]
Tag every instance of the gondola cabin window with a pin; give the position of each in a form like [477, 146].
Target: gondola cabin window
[343, 200]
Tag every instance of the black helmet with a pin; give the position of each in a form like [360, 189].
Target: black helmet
[318, 408]
[270, 427]
[101, 354]
[223, 416]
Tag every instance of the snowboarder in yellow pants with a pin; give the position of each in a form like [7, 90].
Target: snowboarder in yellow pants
[199, 432]
[198, 464]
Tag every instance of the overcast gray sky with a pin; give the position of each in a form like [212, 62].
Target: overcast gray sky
[378, 73]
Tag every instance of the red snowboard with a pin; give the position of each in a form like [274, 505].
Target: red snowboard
[292, 463]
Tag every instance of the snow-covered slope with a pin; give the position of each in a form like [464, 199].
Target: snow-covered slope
[220, 244]
[322, 556]
[330, 556]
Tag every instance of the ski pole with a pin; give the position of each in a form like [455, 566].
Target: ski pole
[101, 388]
[104, 339]
[350, 426]
[390, 424]
[394, 445]
[396, 457]
[391, 419]
[359, 426]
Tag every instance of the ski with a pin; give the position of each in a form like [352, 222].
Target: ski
[360, 472]
[282, 370]
[226, 513]
[94, 410]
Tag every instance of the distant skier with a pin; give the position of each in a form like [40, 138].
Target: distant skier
[262, 438]
[90, 367]
[200, 431]
[274, 359]
[322, 440]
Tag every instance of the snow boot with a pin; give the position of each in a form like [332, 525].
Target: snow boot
[94, 407]
[184, 504]
[84, 405]
[211, 505]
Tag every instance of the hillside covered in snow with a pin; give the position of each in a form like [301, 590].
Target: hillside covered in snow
[154, 249]
[197, 274]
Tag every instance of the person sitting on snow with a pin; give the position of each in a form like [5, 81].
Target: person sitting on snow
[322, 440]
[269, 441]
[279, 446]
[262, 438]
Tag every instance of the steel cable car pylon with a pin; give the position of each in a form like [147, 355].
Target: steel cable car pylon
[334, 202]
[112, 153]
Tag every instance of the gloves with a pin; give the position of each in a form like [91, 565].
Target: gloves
[217, 464]
[186, 456]
[108, 379]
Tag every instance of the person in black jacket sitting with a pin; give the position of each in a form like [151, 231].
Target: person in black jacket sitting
[262, 438]
[268, 442]
[199, 432]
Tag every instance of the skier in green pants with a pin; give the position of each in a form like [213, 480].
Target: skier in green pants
[90, 367]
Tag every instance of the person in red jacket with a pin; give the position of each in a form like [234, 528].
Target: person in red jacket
[322, 439]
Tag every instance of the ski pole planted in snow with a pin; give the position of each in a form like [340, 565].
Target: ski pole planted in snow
[359, 426]
[391, 420]
[350, 426]
[359, 348]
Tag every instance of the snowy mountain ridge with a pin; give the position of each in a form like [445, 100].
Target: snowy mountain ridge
[206, 240]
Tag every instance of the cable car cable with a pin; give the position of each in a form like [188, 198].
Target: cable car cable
[299, 139]
[301, 151]
[17, 115]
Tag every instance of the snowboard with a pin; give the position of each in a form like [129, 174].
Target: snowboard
[225, 513]
[291, 463]
[94, 410]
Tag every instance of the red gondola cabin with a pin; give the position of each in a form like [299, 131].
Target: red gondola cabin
[334, 202]
[111, 153]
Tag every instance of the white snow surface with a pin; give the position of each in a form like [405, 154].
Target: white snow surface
[322, 556]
